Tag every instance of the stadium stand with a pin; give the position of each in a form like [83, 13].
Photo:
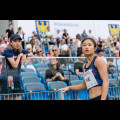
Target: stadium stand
[33, 80]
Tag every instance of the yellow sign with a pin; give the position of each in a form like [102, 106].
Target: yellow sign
[114, 29]
[41, 27]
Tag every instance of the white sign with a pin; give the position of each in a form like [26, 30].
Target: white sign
[73, 27]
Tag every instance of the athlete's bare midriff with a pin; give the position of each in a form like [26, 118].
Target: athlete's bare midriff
[95, 92]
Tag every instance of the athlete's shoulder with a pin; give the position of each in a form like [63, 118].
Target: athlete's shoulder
[99, 61]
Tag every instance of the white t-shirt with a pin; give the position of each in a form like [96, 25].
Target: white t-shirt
[58, 36]
[90, 35]
[64, 47]
[79, 43]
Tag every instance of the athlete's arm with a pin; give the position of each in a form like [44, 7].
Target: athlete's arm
[102, 69]
[81, 86]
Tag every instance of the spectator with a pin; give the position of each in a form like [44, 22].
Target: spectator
[116, 53]
[100, 53]
[56, 53]
[39, 53]
[50, 53]
[78, 41]
[29, 60]
[37, 47]
[103, 43]
[72, 49]
[58, 35]
[29, 50]
[65, 35]
[53, 73]
[49, 37]
[64, 48]
[2, 48]
[13, 66]
[32, 45]
[9, 31]
[110, 67]
[116, 61]
[37, 36]
[6, 42]
[110, 39]
[112, 46]
[99, 40]
[70, 42]
[21, 33]
[90, 34]
[78, 66]
[84, 35]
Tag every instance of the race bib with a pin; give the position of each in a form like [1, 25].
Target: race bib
[90, 79]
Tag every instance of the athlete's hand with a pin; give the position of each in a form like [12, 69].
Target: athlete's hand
[64, 90]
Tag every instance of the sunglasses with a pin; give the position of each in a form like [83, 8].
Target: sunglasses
[39, 51]
[54, 50]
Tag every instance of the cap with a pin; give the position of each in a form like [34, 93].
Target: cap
[14, 37]
[100, 50]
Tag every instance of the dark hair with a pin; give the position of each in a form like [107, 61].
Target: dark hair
[31, 40]
[10, 24]
[78, 37]
[99, 50]
[54, 71]
[95, 45]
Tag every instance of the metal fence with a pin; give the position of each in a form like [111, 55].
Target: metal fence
[114, 94]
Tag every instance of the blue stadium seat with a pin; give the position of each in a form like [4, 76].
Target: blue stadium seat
[39, 70]
[41, 66]
[72, 77]
[27, 70]
[53, 86]
[67, 73]
[75, 82]
[33, 79]
[35, 91]
[112, 92]
[28, 74]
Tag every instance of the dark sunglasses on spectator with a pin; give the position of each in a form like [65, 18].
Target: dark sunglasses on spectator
[54, 50]
[39, 51]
